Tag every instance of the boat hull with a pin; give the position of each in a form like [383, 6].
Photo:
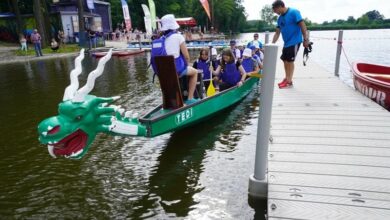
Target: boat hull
[159, 121]
[119, 53]
[373, 81]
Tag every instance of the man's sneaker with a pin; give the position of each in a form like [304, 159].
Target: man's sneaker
[283, 81]
[285, 85]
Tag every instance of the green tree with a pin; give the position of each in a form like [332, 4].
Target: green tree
[82, 34]
[364, 20]
[42, 24]
[374, 15]
[268, 15]
[351, 20]
[307, 22]
[19, 22]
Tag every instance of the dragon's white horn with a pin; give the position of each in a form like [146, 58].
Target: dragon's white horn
[74, 81]
[81, 93]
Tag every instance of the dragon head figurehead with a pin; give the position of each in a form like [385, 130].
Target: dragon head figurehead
[81, 117]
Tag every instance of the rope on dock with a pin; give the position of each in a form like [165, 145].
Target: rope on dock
[345, 54]
[348, 39]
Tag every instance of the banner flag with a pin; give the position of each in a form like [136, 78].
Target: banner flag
[147, 19]
[90, 4]
[152, 8]
[126, 15]
[205, 4]
[146, 10]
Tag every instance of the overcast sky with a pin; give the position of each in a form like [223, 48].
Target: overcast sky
[323, 10]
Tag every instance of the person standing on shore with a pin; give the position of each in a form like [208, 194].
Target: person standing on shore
[36, 40]
[23, 43]
[293, 29]
[61, 38]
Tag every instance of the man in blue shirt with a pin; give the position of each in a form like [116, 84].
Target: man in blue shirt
[293, 29]
[255, 42]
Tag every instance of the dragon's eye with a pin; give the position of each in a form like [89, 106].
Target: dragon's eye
[78, 118]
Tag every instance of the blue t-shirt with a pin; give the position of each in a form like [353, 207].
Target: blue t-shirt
[288, 25]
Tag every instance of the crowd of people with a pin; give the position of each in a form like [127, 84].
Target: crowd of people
[36, 39]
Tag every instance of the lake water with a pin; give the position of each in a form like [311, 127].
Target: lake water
[371, 46]
[201, 171]
[198, 172]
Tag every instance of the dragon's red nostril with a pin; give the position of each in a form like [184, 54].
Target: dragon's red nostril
[54, 130]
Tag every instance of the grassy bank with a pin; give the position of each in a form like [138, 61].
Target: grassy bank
[68, 48]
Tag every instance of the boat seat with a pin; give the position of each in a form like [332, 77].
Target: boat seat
[199, 92]
[169, 82]
[377, 75]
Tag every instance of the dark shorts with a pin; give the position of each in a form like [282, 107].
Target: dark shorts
[289, 53]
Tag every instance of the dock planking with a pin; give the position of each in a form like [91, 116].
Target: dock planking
[329, 156]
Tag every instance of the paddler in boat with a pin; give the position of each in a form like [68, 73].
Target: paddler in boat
[203, 64]
[230, 72]
[248, 62]
[255, 56]
[214, 58]
[236, 52]
[175, 45]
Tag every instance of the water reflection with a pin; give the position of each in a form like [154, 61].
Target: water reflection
[163, 177]
[175, 180]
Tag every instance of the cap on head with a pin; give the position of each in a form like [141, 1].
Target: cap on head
[256, 35]
[168, 22]
[232, 42]
[247, 52]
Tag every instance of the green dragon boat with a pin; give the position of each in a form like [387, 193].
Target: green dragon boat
[82, 116]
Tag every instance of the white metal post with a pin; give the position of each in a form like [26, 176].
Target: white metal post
[258, 181]
[338, 53]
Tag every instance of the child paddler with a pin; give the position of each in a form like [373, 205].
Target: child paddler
[229, 71]
[203, 64]
[248, 62]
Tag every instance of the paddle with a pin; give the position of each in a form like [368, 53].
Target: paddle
[210, 89]
[256, 74]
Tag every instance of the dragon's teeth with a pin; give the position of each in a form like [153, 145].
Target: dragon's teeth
[50, 142]
[116, 97]
[44, 133]
[50, 148]
[128, 114]
[78, 153]
[49, 128]
[121, 110]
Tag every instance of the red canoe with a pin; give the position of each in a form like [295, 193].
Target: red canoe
[373, 81]
[119, 53]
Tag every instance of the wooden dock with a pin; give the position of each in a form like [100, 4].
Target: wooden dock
[329, 156]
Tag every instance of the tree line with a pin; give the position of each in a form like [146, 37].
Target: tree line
[227, 15]
[369, 20]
